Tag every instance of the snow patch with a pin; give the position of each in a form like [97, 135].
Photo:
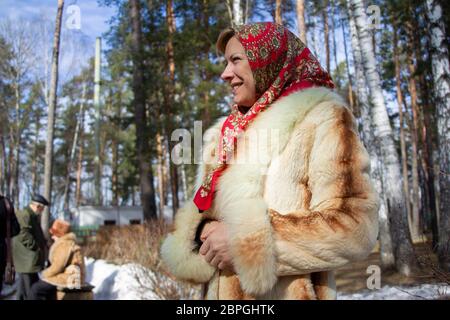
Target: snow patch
[419, 292]
[119, 282]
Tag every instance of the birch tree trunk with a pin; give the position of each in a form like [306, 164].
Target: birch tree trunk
[366, 128]
[237, 13]
[390, 165]
[48, 165]
[140, 117]
[301, 21]
[441, 79]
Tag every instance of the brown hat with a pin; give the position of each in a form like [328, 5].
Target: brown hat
[60, 228]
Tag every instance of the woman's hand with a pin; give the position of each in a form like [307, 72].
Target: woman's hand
[215, 247]
[208, 227]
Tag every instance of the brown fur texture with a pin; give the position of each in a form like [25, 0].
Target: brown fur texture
[305, 208]
[67, 267]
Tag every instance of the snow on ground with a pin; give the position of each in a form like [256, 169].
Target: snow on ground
[119, 282]
[134, 282]
[419, 292]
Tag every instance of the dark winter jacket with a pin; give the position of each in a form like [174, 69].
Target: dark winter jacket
[15, 228]
[29, 245]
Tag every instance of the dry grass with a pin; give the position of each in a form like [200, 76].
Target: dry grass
[140, 244]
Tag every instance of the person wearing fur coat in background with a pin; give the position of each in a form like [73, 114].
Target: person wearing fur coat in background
[66, 270]
[275, 227]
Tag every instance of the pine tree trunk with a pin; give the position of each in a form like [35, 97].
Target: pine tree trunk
[48, 166]
[441, 79]
[347, 66]
[385, 239]
[170, 101]
[400, 112]
[73, 149]
[301, 21]
[34, 161]
[140, 117]
[333, 34]
[115, 172]
[414, 219]
[98, 153]
[429, 195]
[115, 154]
[326, 35]
[11, 162]
[278, 17]
[18, 138]
[78, 195]
[161, 186]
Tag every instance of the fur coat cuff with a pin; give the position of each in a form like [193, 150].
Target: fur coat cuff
[179, 250]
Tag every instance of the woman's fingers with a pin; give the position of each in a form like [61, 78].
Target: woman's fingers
[208, 229]
[210, 256]
[215, 261]
[204, 248]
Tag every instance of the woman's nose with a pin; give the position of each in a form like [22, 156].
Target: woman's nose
[227, 74]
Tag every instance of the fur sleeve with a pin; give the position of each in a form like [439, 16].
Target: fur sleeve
[341, 223]
[179, 250]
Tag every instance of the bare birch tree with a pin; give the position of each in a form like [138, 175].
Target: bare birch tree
[366, 128]
[441, 78]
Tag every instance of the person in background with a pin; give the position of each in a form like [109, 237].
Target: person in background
[29, 246]
[15, 229]
[66, 270]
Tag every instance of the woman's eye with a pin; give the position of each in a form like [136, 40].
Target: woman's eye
[235, 59]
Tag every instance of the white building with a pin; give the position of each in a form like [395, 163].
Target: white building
[91, 216]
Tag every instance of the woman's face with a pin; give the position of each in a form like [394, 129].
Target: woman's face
[239, 74]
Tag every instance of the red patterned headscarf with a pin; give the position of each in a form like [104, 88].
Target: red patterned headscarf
[281, 64]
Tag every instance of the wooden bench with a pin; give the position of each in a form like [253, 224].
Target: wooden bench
[83, 293]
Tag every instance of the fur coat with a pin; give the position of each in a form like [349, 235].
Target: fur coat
[67, 267]
[305, 207]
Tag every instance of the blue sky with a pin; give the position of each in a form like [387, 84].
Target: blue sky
[93, 17]
[77, 44]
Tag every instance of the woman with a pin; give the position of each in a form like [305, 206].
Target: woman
[275, 229]
[67, 268]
